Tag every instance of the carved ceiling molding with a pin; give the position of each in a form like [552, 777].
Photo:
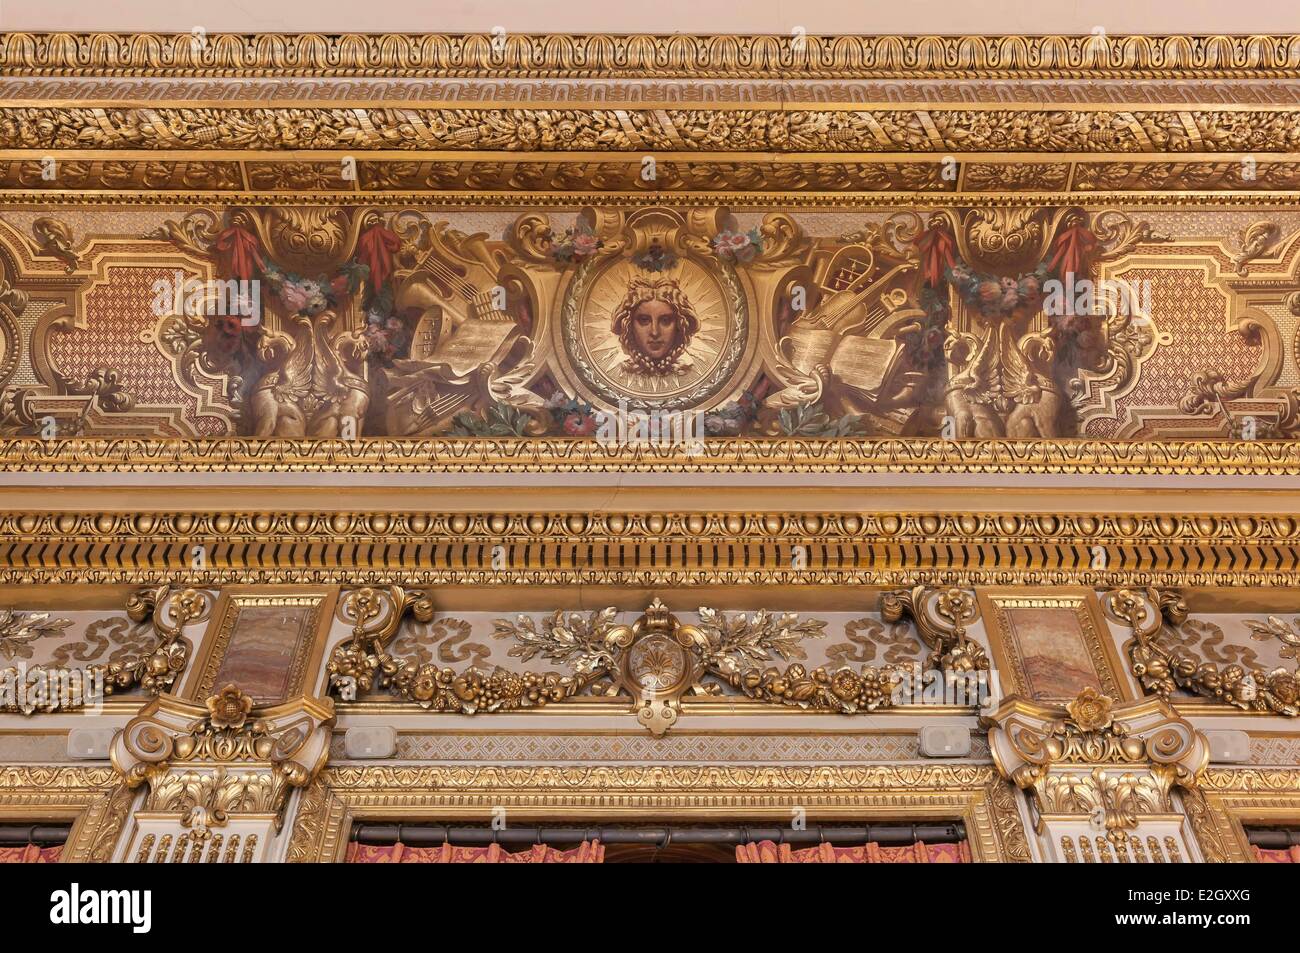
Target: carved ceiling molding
[635, 548]
[851, 180]
[647, 55]
[400, 91]
[565, 128]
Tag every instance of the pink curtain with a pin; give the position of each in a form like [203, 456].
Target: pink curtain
[1290, 855]
[31, 854]
[769, 852]
[588, 852]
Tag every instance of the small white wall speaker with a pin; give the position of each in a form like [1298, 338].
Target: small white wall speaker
[1228, 747]
[89, 744]
[945, 741]
[371, 741]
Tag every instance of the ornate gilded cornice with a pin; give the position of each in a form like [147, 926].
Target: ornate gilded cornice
[645, 55]
[421, 548]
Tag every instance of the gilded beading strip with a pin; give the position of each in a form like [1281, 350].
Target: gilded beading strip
[807, 201]
[649, 55]
[558, 455]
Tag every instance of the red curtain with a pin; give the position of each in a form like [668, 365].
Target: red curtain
[31, 854]
[769, 852]
[589, 852]
[1290, 855]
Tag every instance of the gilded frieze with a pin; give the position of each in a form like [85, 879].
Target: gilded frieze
[1169, 653]
[659, 334]
[653, 663]
[145, 648]
[1080, 129]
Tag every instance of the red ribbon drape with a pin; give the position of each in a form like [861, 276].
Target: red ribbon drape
[938, 253]
[770, 852]
[1072, 252]
[375, 249]
[30, 854]
[588, 852]
[1289, 855]
[239, 254]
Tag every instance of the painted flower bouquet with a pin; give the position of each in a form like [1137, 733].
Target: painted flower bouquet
[577, 243]
[572, 417]
[738, 247]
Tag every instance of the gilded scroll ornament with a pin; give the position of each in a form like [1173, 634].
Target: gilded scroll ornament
[54, 238]
[1093, 759]
[207, 763]
[941, 617]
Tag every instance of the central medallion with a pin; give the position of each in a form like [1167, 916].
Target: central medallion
[663, 323]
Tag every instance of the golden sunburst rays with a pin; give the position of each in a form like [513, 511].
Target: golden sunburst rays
[606, 352]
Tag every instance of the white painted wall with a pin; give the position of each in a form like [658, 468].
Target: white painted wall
[660, 16]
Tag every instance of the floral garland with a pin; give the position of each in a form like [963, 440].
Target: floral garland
[994, 296]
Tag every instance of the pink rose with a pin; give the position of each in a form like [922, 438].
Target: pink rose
[295, 297]
[731, 244]
[584, 245]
